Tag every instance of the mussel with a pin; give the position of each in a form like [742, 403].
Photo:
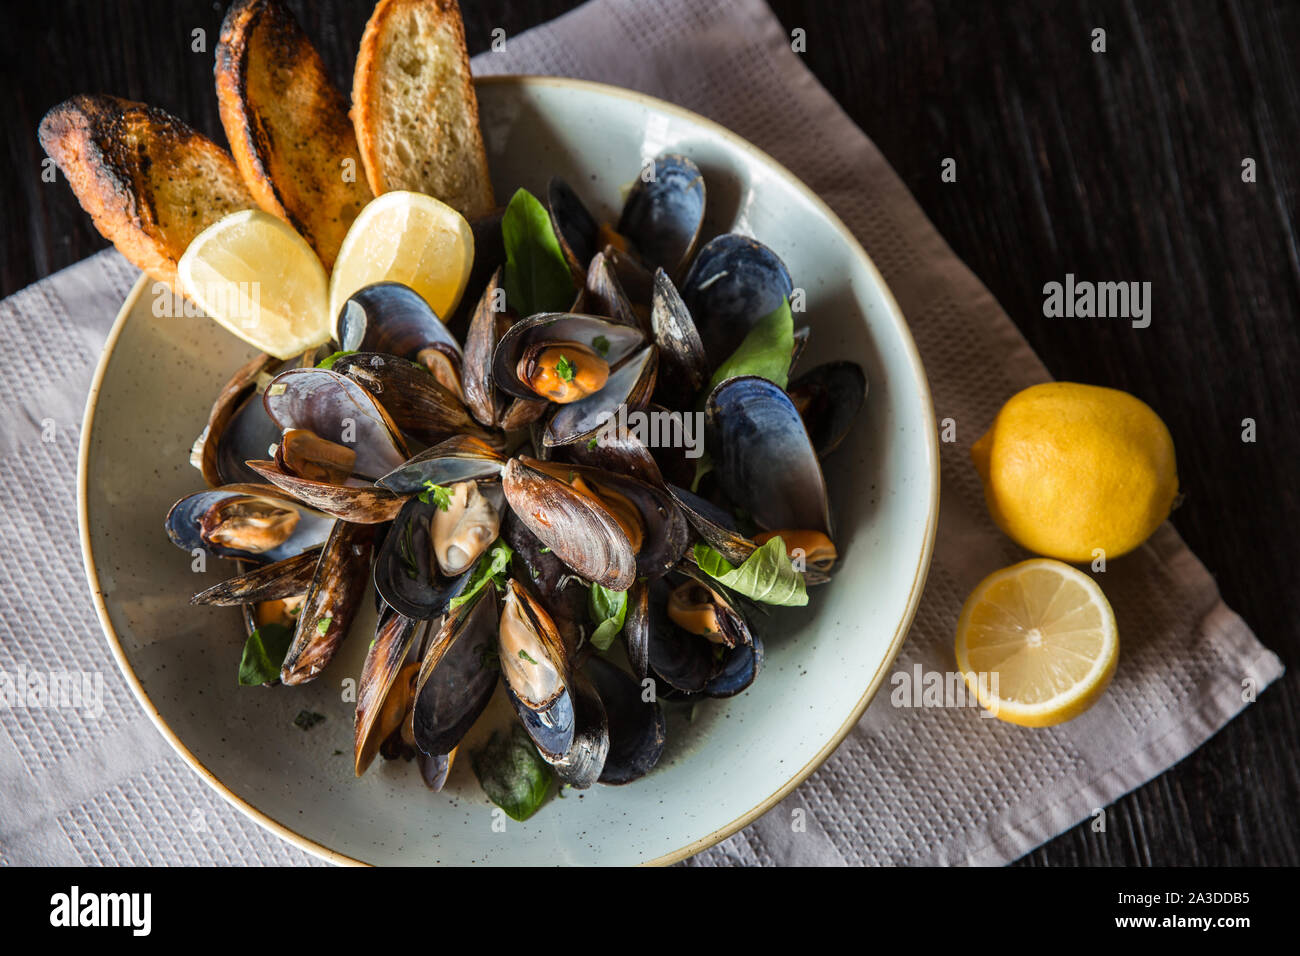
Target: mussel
[664, 212]
[559, 708]
[391, 318]
[256, 522]
[733, 282]
[457, 676]
[766, 464]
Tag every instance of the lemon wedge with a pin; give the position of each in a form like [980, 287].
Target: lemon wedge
[259, 279]
[409, 238]
[1037, 643]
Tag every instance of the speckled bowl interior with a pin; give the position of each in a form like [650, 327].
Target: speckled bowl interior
[720, 770]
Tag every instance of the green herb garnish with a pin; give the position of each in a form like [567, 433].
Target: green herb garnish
[512, 773]
[607, 610]
[565, 369]
[767, 575]
[765, 351]
[436, 495]
[263, 654]
[525, 656]
[601, 345]
[491, 567]
[595, 440]
[329, 360]
[323, 624]
[537, 276]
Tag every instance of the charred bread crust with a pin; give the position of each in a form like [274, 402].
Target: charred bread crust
[288, 124]
[150, 182]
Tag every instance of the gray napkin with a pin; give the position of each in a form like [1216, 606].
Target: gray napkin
[908, 785]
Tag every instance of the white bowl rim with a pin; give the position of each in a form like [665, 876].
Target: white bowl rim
[798, 777]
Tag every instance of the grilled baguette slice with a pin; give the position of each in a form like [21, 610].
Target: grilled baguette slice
[288, 124]
[150, 182]
[414, 108]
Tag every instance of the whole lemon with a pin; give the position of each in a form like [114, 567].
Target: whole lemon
[1071, 468]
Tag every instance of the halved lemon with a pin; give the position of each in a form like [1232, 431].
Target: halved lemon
[1037, 643]
[258, 278]
[409, 238]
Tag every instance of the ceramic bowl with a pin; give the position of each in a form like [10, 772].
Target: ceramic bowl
[724, 767]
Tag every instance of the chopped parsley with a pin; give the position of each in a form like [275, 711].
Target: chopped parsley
[436, 495]
[565, 369]
[601, 345]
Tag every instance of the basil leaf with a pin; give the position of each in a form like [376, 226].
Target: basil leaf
[329, 360]
[263, 654]
[608, 610]
[512, 773]
[489, 567]
[768, 575]
[537, 277]
[765, 351]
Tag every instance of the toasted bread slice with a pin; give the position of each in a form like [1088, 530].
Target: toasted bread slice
[149, 181]
[288, 125]
[414, 108]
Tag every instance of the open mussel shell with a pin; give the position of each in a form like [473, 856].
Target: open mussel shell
[392, 318]
[692, 663]
[548, 579]
[737, 669]
[459, 458]
[270, 582]
[544, 497]
[535, 667]
[636, 628]
[684, 368]
[360, 504]
[406, 574]
[337, 409]
[337, 587]
[635, 279]
[377, 716]
[762, 456]
[574, 225]
[457, 676]
[631, 385]
[582, 533]
[273, 534]
[616, 448]
[612, 341]
[605, 294]
[419, 404]
[238, 427]
[485, 401]
[829, 398]
[582, 764]
[637, 730]
[733, 282]
[664, 212]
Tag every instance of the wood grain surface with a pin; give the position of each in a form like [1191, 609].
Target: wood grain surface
[1116, 166]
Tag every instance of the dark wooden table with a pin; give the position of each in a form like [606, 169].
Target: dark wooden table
[1117, 166]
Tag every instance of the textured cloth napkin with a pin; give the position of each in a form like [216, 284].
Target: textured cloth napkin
[908, 785]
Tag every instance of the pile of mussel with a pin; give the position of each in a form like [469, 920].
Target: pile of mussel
[482, 480]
